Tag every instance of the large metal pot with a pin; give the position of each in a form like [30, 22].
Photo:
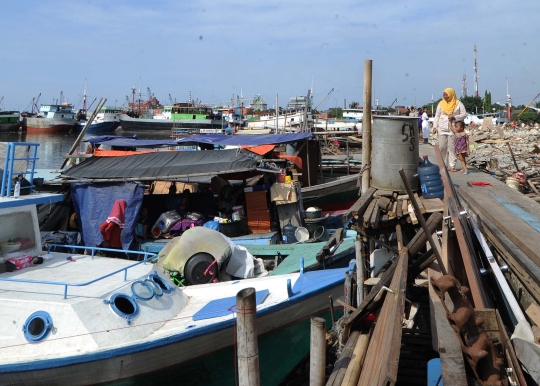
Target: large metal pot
[313, 212]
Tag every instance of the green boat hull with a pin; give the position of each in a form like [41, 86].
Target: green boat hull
[279, 352]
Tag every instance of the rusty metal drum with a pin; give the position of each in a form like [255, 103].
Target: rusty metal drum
[394, 145]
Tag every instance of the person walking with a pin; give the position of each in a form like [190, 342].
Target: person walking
[425, 125]
[448, 109]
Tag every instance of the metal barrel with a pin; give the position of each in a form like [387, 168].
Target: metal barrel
[394, 145]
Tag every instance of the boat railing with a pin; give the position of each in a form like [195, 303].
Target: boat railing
[9, 162]
[148, 256]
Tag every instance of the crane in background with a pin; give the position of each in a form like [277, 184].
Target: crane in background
[171, 100]
[324, 99]
[1, 99]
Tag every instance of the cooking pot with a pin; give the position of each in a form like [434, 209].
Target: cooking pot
[313, 212]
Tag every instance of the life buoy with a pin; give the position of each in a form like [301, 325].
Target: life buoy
[472, 125]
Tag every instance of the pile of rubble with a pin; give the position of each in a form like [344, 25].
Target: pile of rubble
[507, 153]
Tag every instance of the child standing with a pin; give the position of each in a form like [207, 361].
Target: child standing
[461, 143]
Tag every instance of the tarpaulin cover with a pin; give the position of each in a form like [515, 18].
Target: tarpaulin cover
[113, 140]
[163, 164]
[93, 204]
[245, 140]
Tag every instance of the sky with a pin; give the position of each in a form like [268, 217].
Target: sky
[217, 49]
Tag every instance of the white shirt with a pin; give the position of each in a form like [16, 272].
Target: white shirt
[425, 120]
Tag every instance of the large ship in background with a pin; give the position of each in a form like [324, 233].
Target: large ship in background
[11, 121]
[53, 118]
[191, 117]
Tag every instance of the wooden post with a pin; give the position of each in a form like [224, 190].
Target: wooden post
[360, 274]
[308, 169]
[246, 331]
[277, 115]
[317, 352]
[348, 159]
[348, 295]
[366, 126]
[83, 132]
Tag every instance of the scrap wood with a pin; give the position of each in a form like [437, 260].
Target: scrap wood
[410, 209]
[384, 193]
[367, 213]
[340, 368]
[399, 209]
[432, 205]
[375, 217]
[360, 206]
[384, 203]
[404, 206]
[533, 312]
[420, 204]
[382, 357]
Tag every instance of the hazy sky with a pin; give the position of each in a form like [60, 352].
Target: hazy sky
[219, 48]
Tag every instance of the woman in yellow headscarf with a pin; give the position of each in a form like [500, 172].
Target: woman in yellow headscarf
[449, 109]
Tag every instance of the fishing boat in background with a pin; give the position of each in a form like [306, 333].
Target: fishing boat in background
[53, 119]
[11, 121]
[189, 117]
[105, 122]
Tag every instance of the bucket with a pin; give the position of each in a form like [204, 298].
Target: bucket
[513, 183]
[395, 145]
[288, 178]
[281, 177]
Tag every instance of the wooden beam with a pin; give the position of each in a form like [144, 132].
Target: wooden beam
[360, 205]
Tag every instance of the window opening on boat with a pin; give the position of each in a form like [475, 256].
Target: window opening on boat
[123, 306]
[37, 326]
[156, 288]
[142, 290]
[160, 282]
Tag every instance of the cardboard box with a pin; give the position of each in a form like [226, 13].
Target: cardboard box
[283, 193]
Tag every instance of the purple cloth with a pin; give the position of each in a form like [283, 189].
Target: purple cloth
[460, 142]
[183, 225]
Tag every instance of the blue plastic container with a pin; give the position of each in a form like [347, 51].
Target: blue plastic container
[430, 179]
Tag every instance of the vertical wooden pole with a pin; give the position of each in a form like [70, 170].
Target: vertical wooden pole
[246, 332]
[308, 168]
[348, 158]
[277, 115]
[317, 352]
[347, 292]
[360, 274]
[366, 126]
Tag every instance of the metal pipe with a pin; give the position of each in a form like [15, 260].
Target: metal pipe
[317, 352]
[246, 332]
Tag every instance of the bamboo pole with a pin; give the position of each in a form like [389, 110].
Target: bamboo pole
[246, 331]
[366, 127]
[317, 352]
[347, 292]
[308, 169]
[360, 274]
[83, 131]
[357, 360]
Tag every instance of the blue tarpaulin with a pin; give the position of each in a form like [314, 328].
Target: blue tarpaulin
[245, 140]
[93, 204]
[114, 140]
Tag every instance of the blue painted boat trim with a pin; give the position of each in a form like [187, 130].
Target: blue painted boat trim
[30, 200]
[308, 285]
[224, 306]
[98, 128]
[525, 216]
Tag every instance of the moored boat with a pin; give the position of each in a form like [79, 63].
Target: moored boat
[53, 119]
[11, 121]
[105, 122]
[188, 117]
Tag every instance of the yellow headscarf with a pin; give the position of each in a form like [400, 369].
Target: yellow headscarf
[449, 107]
